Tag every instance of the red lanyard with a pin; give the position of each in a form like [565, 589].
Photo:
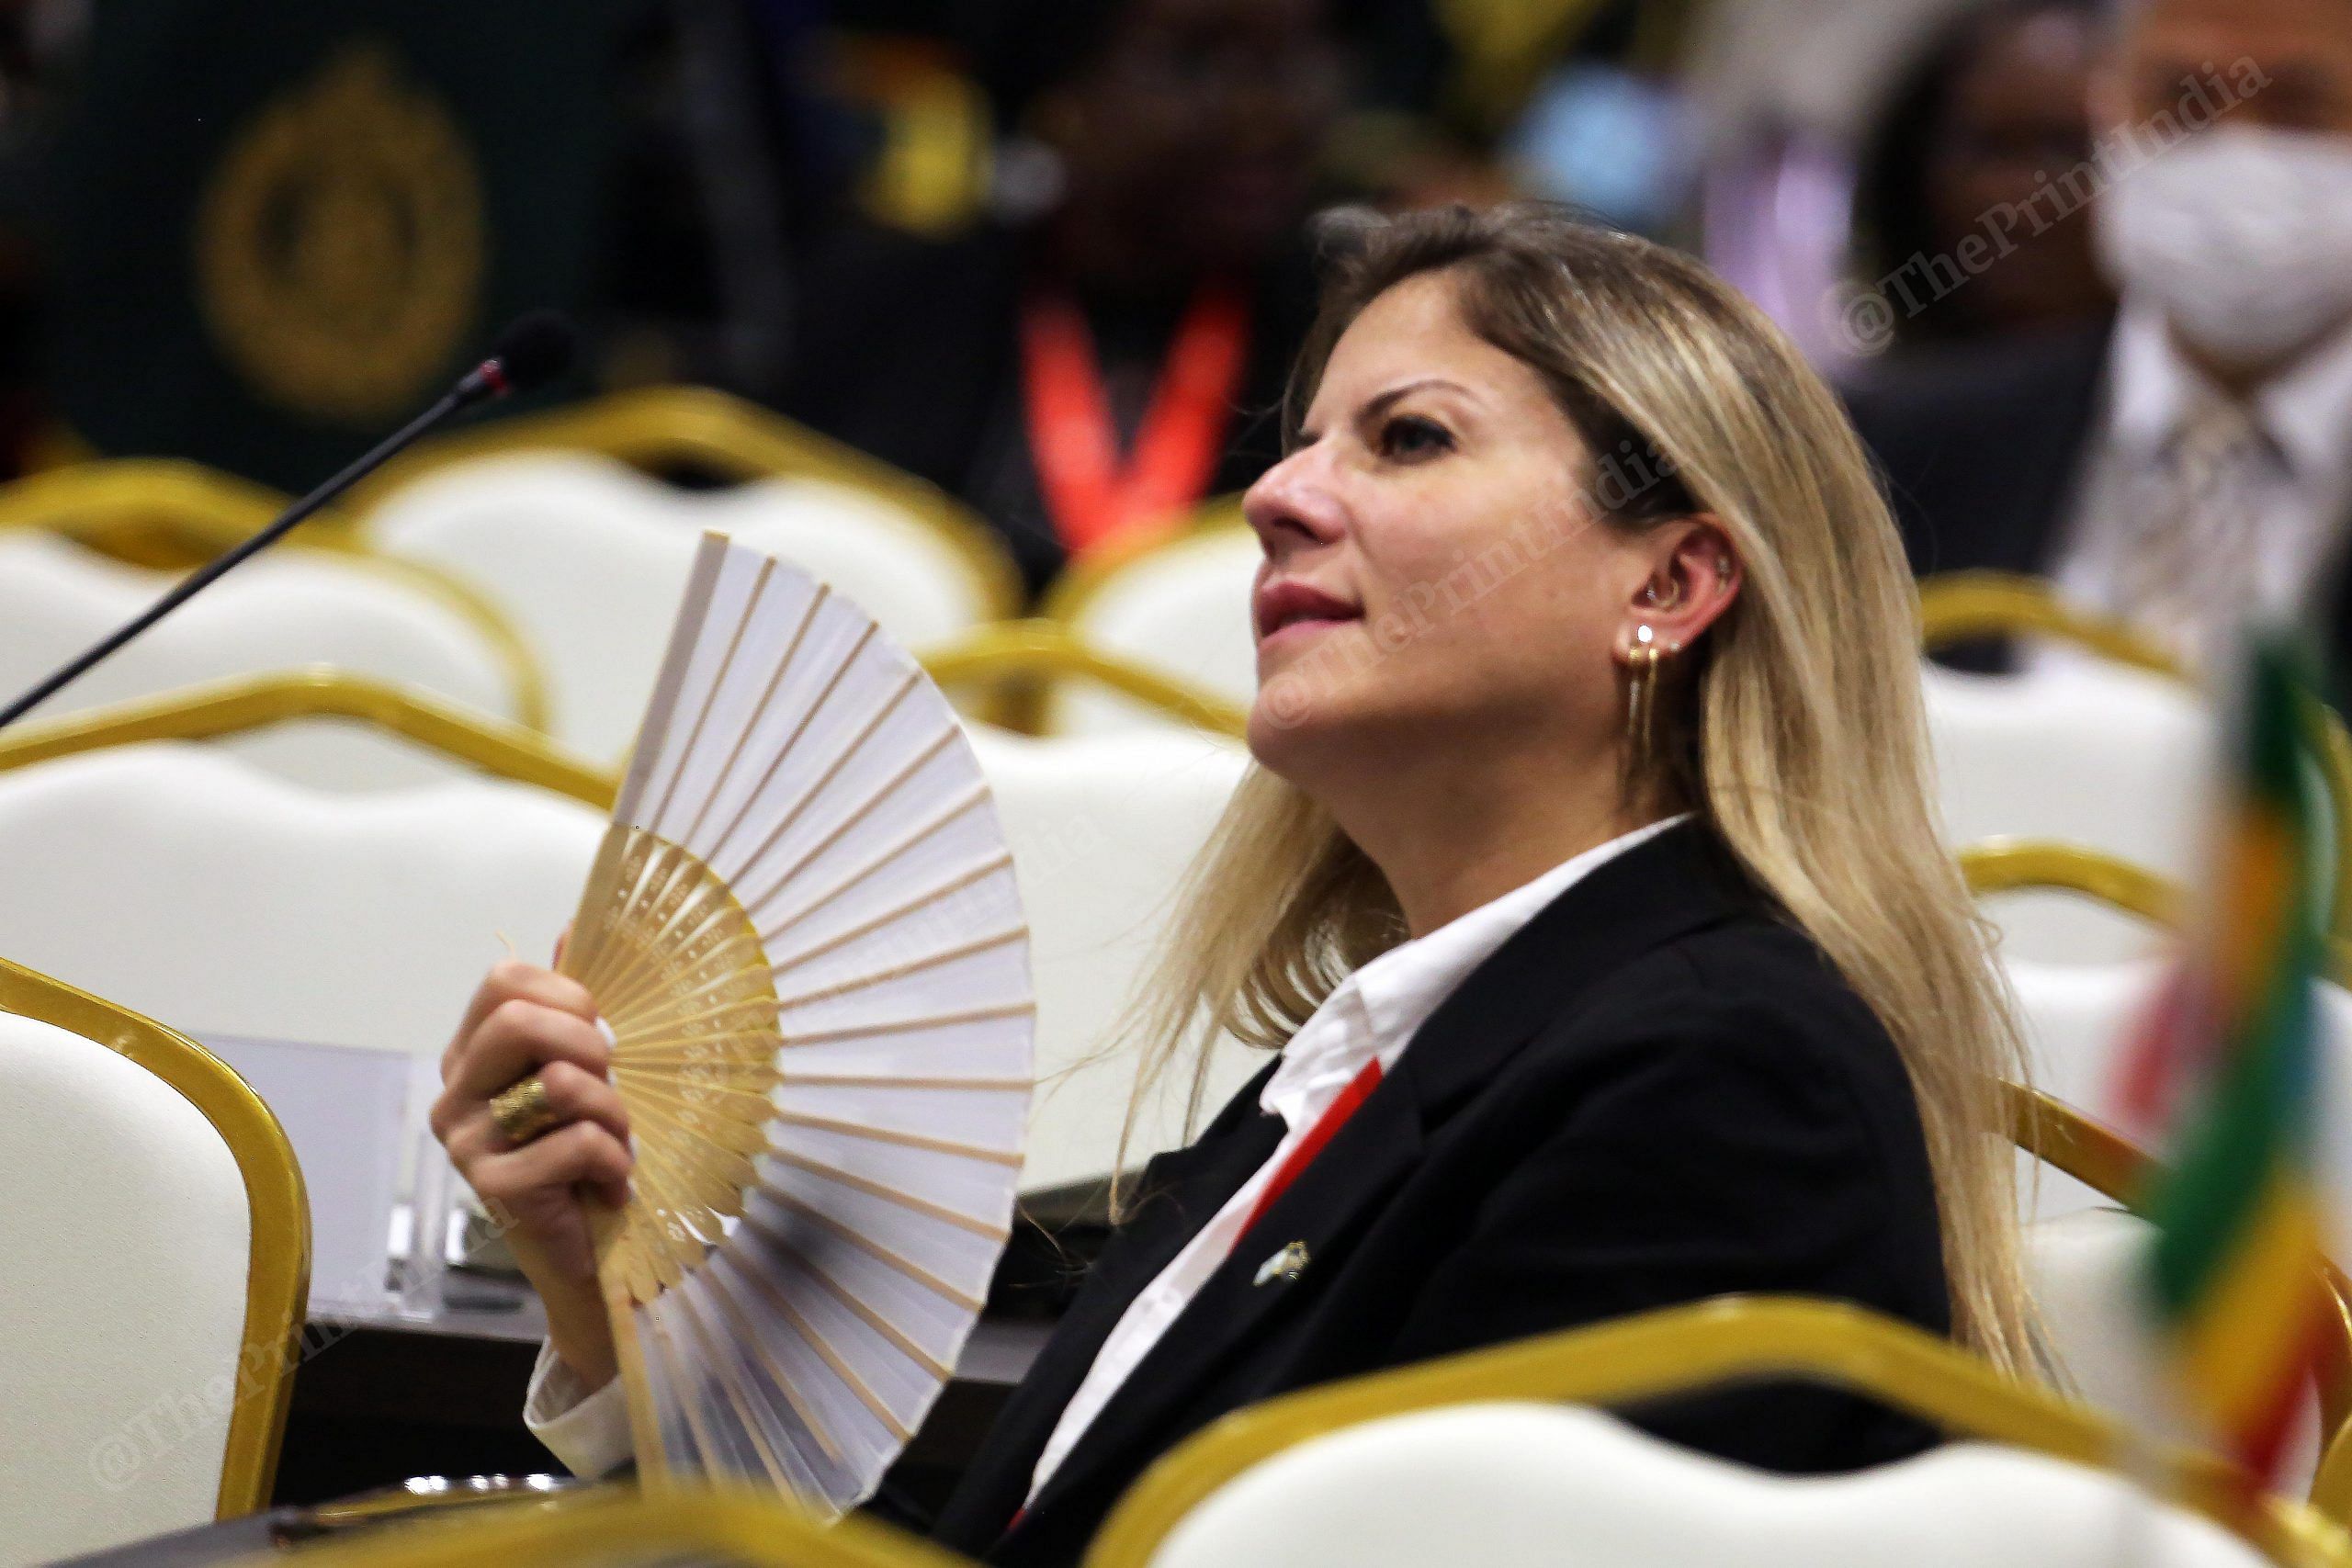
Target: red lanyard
[1075, 444]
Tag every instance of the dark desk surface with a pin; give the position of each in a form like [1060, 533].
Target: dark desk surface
[381, 1396]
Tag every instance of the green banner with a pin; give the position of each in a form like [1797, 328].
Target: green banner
[281, 226]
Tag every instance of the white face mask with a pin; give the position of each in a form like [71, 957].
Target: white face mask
[2242, 235]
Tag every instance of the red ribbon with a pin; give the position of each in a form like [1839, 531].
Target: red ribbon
[1334, 1116]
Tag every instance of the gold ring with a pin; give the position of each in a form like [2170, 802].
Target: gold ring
[521, 1110]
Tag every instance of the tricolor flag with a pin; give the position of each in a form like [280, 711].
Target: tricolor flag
[2224, 1078]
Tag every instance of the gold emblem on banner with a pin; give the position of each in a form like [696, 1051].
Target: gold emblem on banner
[340, 246]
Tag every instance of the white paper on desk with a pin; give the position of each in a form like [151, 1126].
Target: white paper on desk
[346, 1111]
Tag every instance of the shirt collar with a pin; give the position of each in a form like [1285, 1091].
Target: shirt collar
[2306, 413]
[1374, 1013]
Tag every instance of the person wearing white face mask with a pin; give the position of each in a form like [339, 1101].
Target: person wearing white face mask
[2190, 465]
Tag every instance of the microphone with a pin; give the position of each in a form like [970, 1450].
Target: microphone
[532, 351]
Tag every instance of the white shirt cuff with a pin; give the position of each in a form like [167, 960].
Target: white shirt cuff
[589, 1432]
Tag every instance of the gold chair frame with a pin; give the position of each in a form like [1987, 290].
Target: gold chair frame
[1679, 1349]
[277, 1270]
[248, 702]
[156, 512]
[657, 425]
[2112, 1165]
[675, 1524]
[1017, 662]
[1964, 604]
[168, 514]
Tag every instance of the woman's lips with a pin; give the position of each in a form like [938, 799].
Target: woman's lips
[1297, 631]
[1287, 608]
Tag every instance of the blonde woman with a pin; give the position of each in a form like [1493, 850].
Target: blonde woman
[1587, 887]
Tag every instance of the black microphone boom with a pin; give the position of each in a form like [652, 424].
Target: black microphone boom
[536, 349]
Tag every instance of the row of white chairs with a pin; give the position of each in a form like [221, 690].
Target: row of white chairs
[535, 588]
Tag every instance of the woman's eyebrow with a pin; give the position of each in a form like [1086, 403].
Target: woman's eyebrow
[1380, 403]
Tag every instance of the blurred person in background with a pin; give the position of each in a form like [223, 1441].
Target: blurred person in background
[2192, 467]
[1992, 105]
[1105, 352]
[1783, 92]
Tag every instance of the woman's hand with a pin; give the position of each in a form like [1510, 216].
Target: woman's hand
[522, 1020]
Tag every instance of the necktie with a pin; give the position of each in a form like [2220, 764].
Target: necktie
[2187, 567]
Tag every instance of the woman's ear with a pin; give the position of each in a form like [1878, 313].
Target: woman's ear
[1694, 576]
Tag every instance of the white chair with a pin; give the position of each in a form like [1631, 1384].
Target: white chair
[1525, 1485]
[292, 610]
[1417, 1464]
[1180, 609]
[2100, 755]
[191, 886]
[1102, 831]
[588, 558]
[155, 1242]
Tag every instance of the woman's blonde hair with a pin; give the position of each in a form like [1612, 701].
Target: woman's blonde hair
[1801, 737]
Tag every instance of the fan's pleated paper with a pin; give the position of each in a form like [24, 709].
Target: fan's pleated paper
[804, 935]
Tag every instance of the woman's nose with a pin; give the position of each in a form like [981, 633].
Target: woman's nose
[1294, 506]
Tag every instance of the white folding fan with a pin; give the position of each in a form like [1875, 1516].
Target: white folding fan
[803, 934]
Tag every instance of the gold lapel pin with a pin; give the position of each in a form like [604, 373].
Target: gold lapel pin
[1286, 1265]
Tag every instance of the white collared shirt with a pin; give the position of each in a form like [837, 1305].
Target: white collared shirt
[2294, 496]
[1371, 1016]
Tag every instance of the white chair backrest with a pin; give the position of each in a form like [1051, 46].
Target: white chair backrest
[1182, 611]
[2088, 1271]
[122, 1301]
[917, 588]
[588, 558]
[2100, 755]
[1103, 830]
[1525, 1485]
[190, 886]
[283, 612]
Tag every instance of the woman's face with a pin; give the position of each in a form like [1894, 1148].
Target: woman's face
[1434, 574]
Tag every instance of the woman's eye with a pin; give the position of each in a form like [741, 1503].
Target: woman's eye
[1412, 437]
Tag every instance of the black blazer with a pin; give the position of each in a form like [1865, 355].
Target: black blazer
[1656, 1091]
[1980, 448]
